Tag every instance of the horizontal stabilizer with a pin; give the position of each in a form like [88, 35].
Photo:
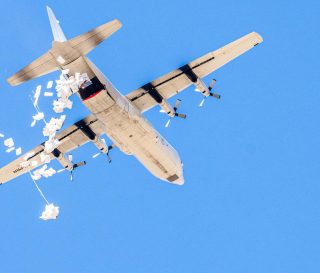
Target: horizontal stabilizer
[41, 66]
[84, 43]
[80, 45]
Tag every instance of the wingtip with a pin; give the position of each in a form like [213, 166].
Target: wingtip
[10, 81]
[259, 38]
[117, 21]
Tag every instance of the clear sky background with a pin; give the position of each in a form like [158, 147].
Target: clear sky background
[250, 203]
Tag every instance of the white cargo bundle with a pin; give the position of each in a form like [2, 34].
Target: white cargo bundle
[51, 212]
[9, 142]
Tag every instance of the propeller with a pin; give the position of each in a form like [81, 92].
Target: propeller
[110, 147]
[79, 164]
[176, 114]
[211, 94]
[74, 166]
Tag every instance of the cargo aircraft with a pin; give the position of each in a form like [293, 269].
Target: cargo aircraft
[119, 117]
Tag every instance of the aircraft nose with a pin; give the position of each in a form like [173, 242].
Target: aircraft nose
[177, 178]
[180, 180]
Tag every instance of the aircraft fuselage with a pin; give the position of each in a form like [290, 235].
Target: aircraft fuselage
[125, 125]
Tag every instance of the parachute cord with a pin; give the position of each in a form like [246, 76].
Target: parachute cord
[40, 191]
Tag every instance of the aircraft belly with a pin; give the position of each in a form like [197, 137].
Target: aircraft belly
[125, 125]
[134, 135]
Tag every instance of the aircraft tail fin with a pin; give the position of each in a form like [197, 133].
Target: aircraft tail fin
[83, 44]
[57, 32]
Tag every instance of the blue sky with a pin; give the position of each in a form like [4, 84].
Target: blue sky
[251, 198]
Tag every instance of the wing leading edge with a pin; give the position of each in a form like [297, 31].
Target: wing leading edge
[70, 139]
[178, 80]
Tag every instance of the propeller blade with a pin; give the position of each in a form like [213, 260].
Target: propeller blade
[168, 123]
[110, 147]
[96, 155]
[162, 111]
[212, 84]
[202, 102]
[182, 116]
[82, 163]
[109, 158]
[217, 96]
[70, 157]
[177, 104]
[61, 170]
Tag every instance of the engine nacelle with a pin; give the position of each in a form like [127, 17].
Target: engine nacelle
[202, 87]
[101, 145]
[91, 135]
[166, 107]
[63, 160]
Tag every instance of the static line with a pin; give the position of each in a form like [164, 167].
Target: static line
[40, 191]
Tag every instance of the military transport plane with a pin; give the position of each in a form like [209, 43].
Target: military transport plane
[119, 117]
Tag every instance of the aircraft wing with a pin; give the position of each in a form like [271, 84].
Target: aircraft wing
[70, 139]
[178, 80]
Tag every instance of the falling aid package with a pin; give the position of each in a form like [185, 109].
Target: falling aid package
[50, 212]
